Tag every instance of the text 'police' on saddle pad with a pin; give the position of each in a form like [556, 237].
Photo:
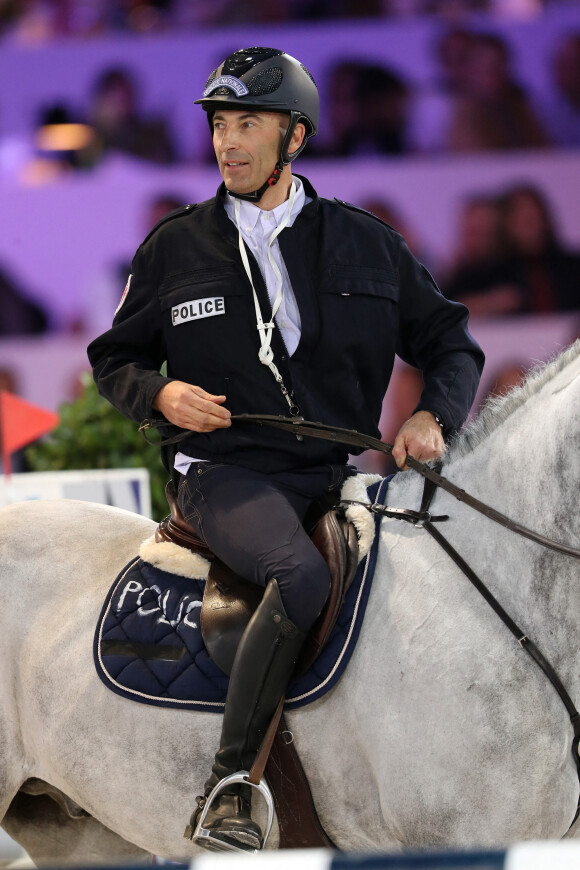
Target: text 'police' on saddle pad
[148, 644]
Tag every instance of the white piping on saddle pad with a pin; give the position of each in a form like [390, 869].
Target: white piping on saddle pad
[178, 560]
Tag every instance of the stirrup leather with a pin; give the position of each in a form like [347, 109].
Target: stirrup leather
[208, 838]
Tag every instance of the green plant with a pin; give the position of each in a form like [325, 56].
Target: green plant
[92, 434]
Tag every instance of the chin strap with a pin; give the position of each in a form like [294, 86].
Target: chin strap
[283, 160]
[257, 195]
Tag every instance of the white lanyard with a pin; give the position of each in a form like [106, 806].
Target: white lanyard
[265, 330]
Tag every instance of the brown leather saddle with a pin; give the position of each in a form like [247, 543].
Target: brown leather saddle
[229, 601]
[228, 604]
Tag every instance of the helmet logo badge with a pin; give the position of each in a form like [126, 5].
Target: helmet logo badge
[230, 82]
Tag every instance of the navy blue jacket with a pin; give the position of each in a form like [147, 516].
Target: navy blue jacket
[362, 298]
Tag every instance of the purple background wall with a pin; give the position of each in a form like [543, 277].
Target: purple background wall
[62, 239]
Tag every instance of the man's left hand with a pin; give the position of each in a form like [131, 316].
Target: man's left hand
[420, 436]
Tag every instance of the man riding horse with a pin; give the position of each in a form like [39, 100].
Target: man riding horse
[270, 299]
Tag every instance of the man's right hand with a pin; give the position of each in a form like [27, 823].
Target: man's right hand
[190, 407]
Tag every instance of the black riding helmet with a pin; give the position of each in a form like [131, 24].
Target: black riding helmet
[267, 80]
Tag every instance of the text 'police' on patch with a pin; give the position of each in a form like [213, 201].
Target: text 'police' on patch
[197, 309]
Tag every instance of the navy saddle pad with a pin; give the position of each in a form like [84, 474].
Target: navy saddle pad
[148, 644]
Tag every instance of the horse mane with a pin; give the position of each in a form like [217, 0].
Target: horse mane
[498, 408]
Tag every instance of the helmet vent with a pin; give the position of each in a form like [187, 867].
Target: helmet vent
[265, 82]
[210, 79]
[308, 73]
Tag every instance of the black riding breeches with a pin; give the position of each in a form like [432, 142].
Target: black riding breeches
[253, 523]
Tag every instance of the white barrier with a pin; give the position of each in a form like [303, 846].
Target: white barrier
[544, 855]
[126, 488]
[533, 855]
[285, 859]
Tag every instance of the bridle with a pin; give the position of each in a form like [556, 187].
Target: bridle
[423, 519]
[300, 426]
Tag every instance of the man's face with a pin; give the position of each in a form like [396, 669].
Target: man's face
[247, 146]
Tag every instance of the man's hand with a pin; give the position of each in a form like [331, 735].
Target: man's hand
[420, 436]
[190, 407]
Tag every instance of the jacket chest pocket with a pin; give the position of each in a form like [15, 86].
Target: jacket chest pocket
[203, 295]
[361, 282]
[359, 310]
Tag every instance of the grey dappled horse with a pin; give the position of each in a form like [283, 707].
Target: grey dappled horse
[442, 731]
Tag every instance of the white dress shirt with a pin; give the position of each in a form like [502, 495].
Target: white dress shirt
[257, 225]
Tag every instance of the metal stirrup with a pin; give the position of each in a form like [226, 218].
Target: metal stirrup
[208, 837]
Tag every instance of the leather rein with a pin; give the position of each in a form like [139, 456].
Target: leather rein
[423, 519]
[300, 426]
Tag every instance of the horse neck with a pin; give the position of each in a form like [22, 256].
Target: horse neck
[525, 459]
[527, 467]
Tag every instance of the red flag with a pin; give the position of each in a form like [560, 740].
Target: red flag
[21, 423]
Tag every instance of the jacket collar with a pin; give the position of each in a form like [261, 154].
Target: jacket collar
[309, 209]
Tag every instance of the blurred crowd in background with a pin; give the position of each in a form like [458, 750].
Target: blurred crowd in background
[474, 103]
[508, 257]
[38, 20]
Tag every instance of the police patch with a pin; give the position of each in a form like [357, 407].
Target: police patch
[230, 82]
[197, 309]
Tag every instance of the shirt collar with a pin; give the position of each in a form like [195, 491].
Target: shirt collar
[250, 213]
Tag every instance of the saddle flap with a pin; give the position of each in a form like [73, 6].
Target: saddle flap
[228, 604]
[336, 540]
[229, 601]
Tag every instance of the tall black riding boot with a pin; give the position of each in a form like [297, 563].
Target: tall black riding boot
[264, 663]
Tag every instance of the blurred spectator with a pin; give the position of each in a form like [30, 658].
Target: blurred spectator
[31, 21]
[548, 273]
[450, 9]
[508, 377]
[452, 54]
[139, 16]
[184, 13]
[389, 213]
[368, 110]
[503, 378]
[114, 116]
[432, 105]
[480, 275]
[493, 111]
[562, 112]
[105, 290]
[19, 315]
[308, 10]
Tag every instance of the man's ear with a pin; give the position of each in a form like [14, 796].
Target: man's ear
[297, 138]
